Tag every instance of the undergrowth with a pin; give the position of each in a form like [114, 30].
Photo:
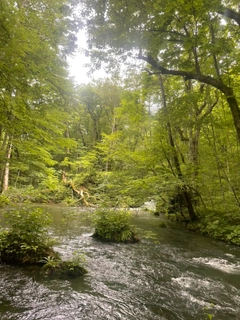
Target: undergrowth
[219, 225]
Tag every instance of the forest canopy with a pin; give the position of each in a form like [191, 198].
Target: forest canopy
[164, 125]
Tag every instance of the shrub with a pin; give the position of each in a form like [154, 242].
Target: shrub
[4, 200]
[26, 240]
[114, 225]
[26, 194]
[30, 194]
[219, 225]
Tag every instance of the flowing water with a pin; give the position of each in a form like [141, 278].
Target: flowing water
[182, 276]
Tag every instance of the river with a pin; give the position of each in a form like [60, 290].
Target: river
[181, 276]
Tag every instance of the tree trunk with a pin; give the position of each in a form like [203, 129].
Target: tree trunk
[189, 205]
[184, 192]
[169, 129]
[6, 170]
[232, 102]
[81, 193]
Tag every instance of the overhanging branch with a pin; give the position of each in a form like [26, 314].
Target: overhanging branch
[218, 84]
[231, 14]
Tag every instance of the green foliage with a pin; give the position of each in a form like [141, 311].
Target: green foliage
[30, 194]
[125, 144]
[71, 268]
[191, 131]
[209, 316]
[219, 225]
[34, 85]
[50, 263]
[4, 200]
[26, 195]
[114, 225]
[50, 181]
[26, 240]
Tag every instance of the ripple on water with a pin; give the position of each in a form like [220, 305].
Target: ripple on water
[208, 293]
[170, 280]
[220, 264]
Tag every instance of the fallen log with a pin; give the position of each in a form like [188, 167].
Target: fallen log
[81, 192]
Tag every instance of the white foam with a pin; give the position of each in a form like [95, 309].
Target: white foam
[190, 286]
[191, 299]
[220, 264]
[229, 255]
[188, 282]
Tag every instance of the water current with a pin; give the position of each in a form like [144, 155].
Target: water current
[181, 276]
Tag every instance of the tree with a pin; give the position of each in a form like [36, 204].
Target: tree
[35, 37]
[92, 116]
[126, 155]
[185, 39]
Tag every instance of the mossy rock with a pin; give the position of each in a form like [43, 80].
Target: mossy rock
[58, 268]
[162, 224]
[126, 236]
[70, 270]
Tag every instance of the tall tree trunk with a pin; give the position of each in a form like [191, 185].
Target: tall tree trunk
[194, 135]
[169, 129]
[4, 146]
[7, 168]
[184, 192]
[232, 102]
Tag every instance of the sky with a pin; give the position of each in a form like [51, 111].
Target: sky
[76, 63]
[79, 72]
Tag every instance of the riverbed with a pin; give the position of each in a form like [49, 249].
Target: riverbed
[179, 275]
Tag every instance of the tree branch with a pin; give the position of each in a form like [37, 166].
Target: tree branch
[231, 14]
[228, 92]
[210, 108]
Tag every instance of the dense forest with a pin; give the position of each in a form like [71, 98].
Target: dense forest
[164, 125]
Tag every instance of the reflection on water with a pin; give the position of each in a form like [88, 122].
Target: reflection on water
[184, 276]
